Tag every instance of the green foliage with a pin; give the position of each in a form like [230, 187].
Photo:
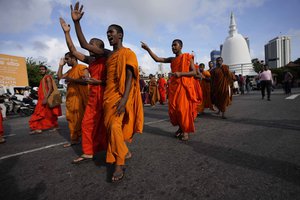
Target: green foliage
[257, 65]
[34, 76]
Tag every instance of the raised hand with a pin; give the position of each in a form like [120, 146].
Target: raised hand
[62, 62]
[66, 27]
[76, 13]
[144, 46]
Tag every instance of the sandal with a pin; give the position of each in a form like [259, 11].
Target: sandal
[178, 133]
[185, 137]
[118, 176]
[2, 140]
[83, 158]
[70, 144]
[34, 132]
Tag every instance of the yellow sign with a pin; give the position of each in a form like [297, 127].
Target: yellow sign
[13, 71]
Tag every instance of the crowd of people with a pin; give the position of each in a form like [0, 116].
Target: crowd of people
[104, 100]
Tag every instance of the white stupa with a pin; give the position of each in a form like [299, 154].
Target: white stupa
[235, 52]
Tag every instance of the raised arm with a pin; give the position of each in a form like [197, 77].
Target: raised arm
[154, 56]
[77, 14]
[192, 71]
[66, 28]
[60, 74]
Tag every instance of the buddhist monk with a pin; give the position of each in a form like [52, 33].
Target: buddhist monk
[205, 86]
[198, 90]
[182, 95]
[221, 79]
[44, 117]
[93, 129]
[77, 95]
[123, 107]
[153, 90]
[2, 140]
[161, 82]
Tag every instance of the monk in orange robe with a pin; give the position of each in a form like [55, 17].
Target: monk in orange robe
[205, 86]
[221, 79]
[182, 95]
[2, 140]
[162, 88]
[44, 117]
[198, 90]
[93, 130]
[153, 91]
[123, 107]
[77, 95]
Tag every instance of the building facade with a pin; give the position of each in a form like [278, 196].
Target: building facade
[278, 52]
[214, 54]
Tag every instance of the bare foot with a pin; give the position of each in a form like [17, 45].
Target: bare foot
[185, 137]
[128, 155]
[118, 174]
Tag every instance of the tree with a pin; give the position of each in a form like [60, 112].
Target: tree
[257, 65]
[33, 73]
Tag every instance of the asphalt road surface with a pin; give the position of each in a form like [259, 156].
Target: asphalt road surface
[254, 154]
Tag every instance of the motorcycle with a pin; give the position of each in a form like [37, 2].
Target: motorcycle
[15, 106]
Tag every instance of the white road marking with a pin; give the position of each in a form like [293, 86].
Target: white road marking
[294, 96]
[61, 143]
[10, 135]
[154, 122]
[32, 150]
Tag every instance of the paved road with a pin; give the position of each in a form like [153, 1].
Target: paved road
[254, 154]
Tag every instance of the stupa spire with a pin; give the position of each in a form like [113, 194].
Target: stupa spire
[232, 26]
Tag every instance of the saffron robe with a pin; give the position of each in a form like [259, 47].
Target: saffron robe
[221, 79]
[121, 128]
[44, 117]
[76, 101]
[153, 92]
[93, 129]
[205, 86]
[162, 89]
[199, 94]
[182, 95]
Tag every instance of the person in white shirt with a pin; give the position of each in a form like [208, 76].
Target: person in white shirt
[266, 82]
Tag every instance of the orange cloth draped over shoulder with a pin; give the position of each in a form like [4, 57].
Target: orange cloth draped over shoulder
[153, 92]
[182, 95]
[76, 101]
[120, 128]
[162, 89]
[205, 86]
[199, 94]
[44, 117]
[93, 130]
[221, 79]
[1, 125]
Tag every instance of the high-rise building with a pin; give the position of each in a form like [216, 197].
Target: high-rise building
[214, 54]
[278, 52]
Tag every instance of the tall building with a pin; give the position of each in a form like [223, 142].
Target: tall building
[214, 54]
[278, 52]
[235, 51]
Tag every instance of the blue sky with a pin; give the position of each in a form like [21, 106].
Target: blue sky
[31, 28]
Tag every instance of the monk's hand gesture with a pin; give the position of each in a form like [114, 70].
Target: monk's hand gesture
[66, 27]
[120, 106]
[144, 46]
[76, 13]
[62, 62]
[177, 74]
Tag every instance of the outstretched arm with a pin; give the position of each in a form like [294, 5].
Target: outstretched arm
[60, 74]
[66, 28]
[77, 14]
[154, 56]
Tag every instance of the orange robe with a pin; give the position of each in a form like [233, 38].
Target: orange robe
[205, 85]
[182, 95]
[93, 129]
[153, 92]
[162, 89]
[44, 117]
[120, 128]
[221, 79]
[199, 94]
[76, 101]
